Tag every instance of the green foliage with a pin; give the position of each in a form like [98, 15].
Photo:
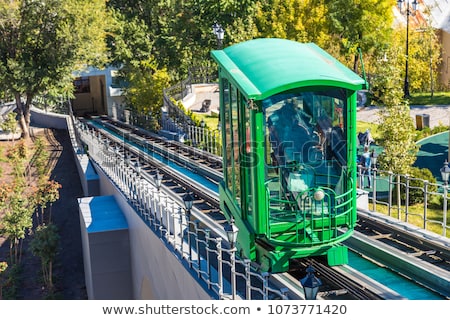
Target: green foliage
[424, 57]
[11, 282]
[16, 210]
[40, 158]
[17, 156]
[45, 246]
[145, 90]
[426, 131]
[350, 30]
[10, 124]
[398, 139]
[282, 19]
[416, 185]
[46, 194]
[396, 129]
[3, 267]
[43, 42]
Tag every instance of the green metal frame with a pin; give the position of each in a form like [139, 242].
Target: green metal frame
[250, 72]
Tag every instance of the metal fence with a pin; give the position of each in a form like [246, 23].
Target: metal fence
[213, 264]
[408, 199]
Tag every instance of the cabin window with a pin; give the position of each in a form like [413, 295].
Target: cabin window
[305, 132]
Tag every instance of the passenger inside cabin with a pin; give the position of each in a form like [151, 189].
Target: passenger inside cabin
[291, 133]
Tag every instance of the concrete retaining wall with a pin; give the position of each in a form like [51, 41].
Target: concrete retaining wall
[44, 119]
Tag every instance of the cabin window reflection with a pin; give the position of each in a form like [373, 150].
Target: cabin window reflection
[236, 175]
[228, 165]
[305, 129]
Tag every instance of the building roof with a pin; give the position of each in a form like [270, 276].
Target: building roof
[263, 67]
[439, 13]
[436, 12]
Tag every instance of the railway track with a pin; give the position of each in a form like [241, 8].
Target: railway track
[142, 145]
[334, 283]
[425, 249]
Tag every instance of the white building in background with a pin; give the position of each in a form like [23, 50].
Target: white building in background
[98, 92]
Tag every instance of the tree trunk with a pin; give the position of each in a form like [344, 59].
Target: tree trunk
[24, 116]
[50, 276]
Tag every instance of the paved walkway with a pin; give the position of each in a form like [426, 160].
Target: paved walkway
[438, 115]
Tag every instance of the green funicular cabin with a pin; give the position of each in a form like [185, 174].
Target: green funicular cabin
[288, 119]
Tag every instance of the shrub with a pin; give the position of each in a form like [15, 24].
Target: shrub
[416, 185]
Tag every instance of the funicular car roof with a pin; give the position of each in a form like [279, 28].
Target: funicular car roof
[263, 67]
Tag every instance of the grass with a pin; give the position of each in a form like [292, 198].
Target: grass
[211, 121]
[362, 126]
[415, 216]
[425, 98]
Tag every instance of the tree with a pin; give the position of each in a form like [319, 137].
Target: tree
[396, 125]
[46, 194]
[45, 246]
[132, 50]
[423, 58]
[17, 210]
[10, 124]
[282, 19]
[145, 90]
[364, 25]
[43, 42]
[3, 267]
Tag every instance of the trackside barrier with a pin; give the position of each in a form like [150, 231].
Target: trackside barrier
[394, 194]
[194, 243]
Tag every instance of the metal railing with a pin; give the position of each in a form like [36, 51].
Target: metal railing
[409, 199]
[165, 216]
[196, 136]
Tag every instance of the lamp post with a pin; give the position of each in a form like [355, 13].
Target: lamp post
[157, 201]
[373, 158]
[158, 180]
[445, 172]
[408, 13]
[219, 32]
[188, 200]
[137, 187]
[310, 284]
[232, 231]
[204, 136]
[137, 167]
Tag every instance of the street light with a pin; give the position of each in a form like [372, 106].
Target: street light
[127, 159]
[408, 12]
[158, 180]
[137, 167]
[310, 284]
[445, 172]
[232, 232]
[188, 200]
[373, 159]
[117, 153]
[219, 32]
